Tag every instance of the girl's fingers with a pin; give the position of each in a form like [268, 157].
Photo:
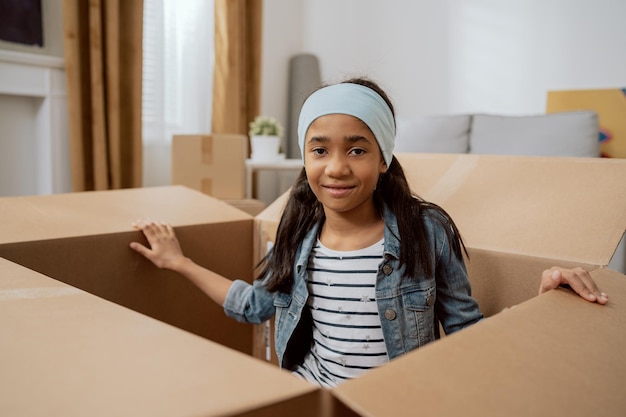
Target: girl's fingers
[138, 247]
[577, 279]
[582, 278]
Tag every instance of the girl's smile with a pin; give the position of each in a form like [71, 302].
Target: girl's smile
[343, 163]
[338, 191]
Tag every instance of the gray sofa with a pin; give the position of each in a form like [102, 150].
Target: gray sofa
[557, 134]
[567, 134]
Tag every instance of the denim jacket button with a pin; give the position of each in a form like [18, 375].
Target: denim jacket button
[390, 314]
[387, 269]
[430, 300]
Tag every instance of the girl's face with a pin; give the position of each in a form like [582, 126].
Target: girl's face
[342, 162]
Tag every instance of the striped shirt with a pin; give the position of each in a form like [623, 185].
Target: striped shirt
[347, 333]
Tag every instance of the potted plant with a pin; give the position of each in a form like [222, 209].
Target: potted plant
[265, 134]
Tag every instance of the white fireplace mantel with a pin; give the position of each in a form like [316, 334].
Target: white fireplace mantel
[41, 78]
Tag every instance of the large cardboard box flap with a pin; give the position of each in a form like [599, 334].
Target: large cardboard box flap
[555, 355]
[55, 216]
[66, 352]
[567, 209]
[83, 240]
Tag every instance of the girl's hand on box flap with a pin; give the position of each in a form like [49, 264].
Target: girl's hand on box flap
[164, 250]
[577, 279]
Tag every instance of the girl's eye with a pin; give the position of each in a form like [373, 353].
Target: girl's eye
[357, 151]
[319, 151]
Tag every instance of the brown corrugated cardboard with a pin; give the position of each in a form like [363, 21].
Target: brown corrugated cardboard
[82, 239]
[249, 205]
[521, 215]
[554, 355]
[213, 164]
[64, 352]
[528, 206]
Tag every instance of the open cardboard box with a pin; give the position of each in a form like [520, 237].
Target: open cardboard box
[518, 216]
[65, 352]
[82, 239]
[549, 355]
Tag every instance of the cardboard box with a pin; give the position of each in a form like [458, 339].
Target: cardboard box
[83, 240]
[518, 216]
[555, 354]
[249, 205]
[64, 352]
[521, 215]
[213, 164]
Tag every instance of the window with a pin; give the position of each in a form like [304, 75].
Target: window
[177, 68]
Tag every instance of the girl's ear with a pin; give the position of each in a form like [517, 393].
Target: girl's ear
[383, 166]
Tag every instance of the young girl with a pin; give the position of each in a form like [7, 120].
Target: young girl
[362, 270]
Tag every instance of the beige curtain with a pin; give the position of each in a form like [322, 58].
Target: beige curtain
[237, 74]
[103, 64]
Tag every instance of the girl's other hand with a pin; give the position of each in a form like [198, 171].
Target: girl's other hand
[164, 249]
[577, 279]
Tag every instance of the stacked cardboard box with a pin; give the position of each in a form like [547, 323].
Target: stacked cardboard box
[215, 165]
[549, 355]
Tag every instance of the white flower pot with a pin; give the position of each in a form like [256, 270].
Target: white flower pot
[265, 148]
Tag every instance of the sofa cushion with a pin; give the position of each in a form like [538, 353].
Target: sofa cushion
[555, 134]
[433, 134]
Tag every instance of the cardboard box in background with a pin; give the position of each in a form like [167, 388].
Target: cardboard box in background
[66, 352]
[83, 239]
[213, 164]
[609, 103]
[195, 164]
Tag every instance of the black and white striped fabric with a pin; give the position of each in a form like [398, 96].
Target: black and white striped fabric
[347, 336]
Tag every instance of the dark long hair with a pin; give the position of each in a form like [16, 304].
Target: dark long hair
[303, 211]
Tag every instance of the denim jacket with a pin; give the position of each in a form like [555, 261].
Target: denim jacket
[410, 309]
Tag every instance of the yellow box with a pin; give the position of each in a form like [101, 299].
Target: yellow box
[610, 104]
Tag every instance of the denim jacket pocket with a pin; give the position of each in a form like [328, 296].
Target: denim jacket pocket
[420, 314]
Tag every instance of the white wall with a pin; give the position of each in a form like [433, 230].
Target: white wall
[450, 56]
[506, 55]
[34, 142]
[282, 38]
[18, 161]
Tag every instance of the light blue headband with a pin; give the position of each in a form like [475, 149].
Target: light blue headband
[354, 100]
